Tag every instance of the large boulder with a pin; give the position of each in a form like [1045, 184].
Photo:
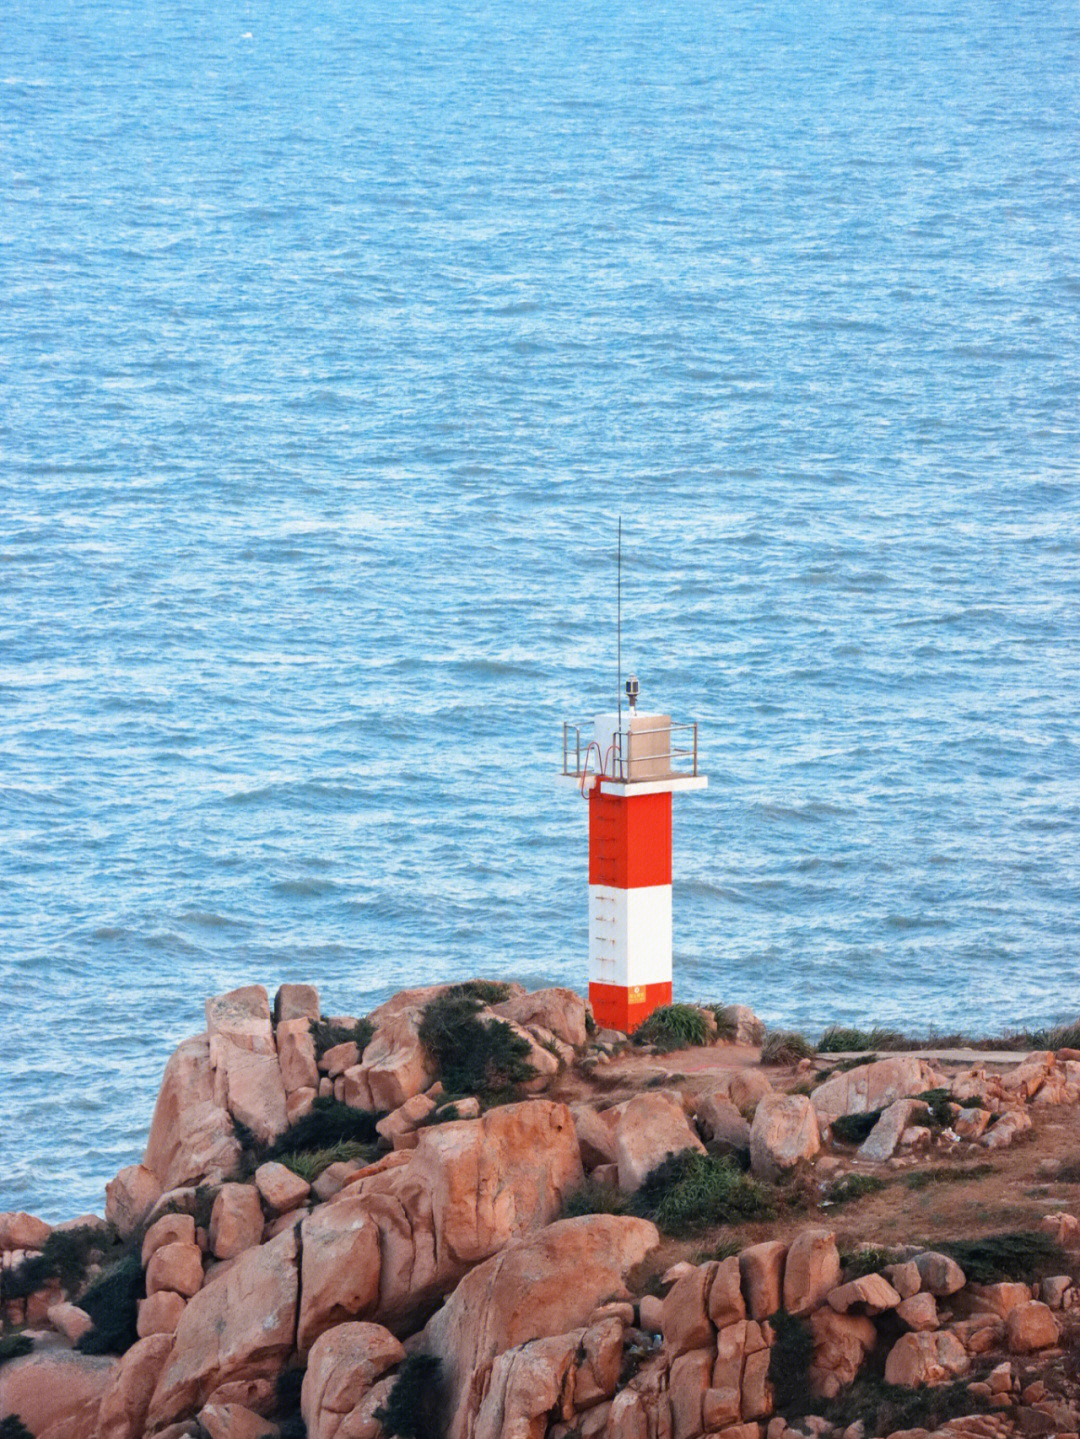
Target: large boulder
[280, 1189]
[559, 1010]
[395, 1065]
[466, 1190]
[296, 1001]
[930, 1357]
[651, 1127]
[784, 1133]
[525, 1387]
[296, 1055]
[885, 1135]
[243, 1056]
[811, 1270]
[191, 1135]
[242, 1018]
[56, 1393]
[241, 1326]
[1031, 1326]
[339, 1268]
[841, 1344]
[130, 1197]
[721, 1123]
[874, 1086]
[545, 1285]
[126, 1400]
[22, 1231]
[343, 1365]
[236, 1220]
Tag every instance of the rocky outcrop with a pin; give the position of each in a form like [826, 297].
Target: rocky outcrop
[874, 1086]
[242, 1326]
[56, 1393]
[126, 1400]
[545, 1285]
[191, 1135]
[342, 1368]
[560, 1012]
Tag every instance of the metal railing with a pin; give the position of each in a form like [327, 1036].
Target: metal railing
[582, 756]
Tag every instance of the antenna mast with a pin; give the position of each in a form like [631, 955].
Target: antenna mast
[618, 625]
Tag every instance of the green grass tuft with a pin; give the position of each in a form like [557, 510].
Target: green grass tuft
[673, 1026]
[329, 1036]
[923, 1178]
[785, 1046]
[309, 1164]
[414, 1407]
[727, 1026]
[853, 1186]
[867, 1261]
[14, 1346]
[472, 1056]
[840, 1040]
[690, 1191]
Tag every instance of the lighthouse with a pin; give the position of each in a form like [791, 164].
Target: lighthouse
[628, 766]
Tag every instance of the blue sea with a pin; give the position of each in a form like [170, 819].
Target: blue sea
[335, 338]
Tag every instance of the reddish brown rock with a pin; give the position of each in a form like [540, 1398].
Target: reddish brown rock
[997, 1298]
[874, 1086]
[595, 1134]
[191, 1135]
[546, 1284]
[69, 1320]
[280, 1189]
[56, 1393]
[721, 1123]
[927, 1358]
[242, 1326]
[127, 1398]
[869, 1294]
[395, 1064]
[940, 1275]
[241, 1018]
[296, 1056]
[652, 1126]
[762, 1269]
[176, 1268]
[402, 1121]
[918, 1312]
[160, 1314]
[22, 1231]
[343, 1365]
[690, 1376]
[296, 1001]
[559, 1010]
[684, 1318]
[234, 1421]
[757, 1397]
[169, 1229]
[1002, 1134]
[812, 1269]
[340, 1268]
[889, 1130]
[1030, 1326]
[248, 1083]
[784, 1133]
[841, 1344]
[236, 1220]
[980, 1333]
[726, 1304]
[130, 1197]
[904, 1278]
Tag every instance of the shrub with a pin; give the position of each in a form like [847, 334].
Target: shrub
[473, 1057]
[885, 1408]
[839, 1040]
[328, 1123]
[25, 1278]
[329, 1036]
[789, 1362]
[853, 1186]
[487, 991]
[673, 1026]
[13, 1428]
[413, 1408]
[289, 1423]
[689, 1191]
[14, 1346]
[112, 1304]
[854, 1128]
[1017, 1256]
[938, 1102]
[867, 1261]
[784, 1046]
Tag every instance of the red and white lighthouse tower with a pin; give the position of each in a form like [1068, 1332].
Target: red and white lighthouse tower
[628, 769]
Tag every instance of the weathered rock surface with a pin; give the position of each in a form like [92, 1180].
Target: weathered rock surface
[160, 1313]
[191, 1135]
[343, 1365]
[651, 1127]
[176, 1268]
[281, 1190]
[395, 1065]
[1031, 1326]
[762, 1269]
[873, 1086]
[927, 1358]
[869, 1294]
[885, 1135]
[236, 1220]
[721, 1123]
[296, 1001]
[545, 1285]
[241, 1326]
[127, 1397]
[559, 1010]
[811, 1271]
[57, 1393]
[22, 1231]
[841, 1344]
[296, 1056]
[340, 1267]
[69, 1320]
[169, 1229]
[784, 1133]
[940, 1275]
[130, 1197]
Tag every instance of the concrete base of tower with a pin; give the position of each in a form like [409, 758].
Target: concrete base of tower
[616, 1007]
